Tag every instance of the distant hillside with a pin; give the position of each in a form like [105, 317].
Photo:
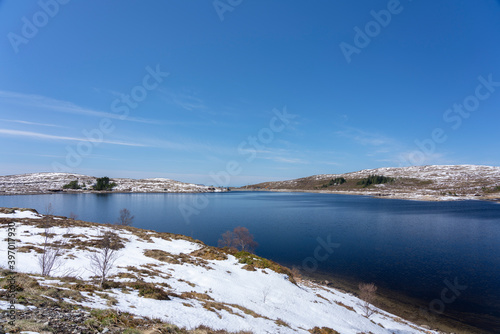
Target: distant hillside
[55, 182]
[416, 182]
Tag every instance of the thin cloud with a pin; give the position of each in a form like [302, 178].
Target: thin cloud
[31, 123]
[417, 157]
[186, 101]
[37, 135]
[189, 102]
[364, 137]
[39, 101]
[329, 163]
[289, 160]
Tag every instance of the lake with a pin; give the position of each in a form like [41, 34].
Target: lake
[443, 254]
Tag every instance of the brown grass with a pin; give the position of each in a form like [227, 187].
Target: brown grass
[209, 253]
[323, 330]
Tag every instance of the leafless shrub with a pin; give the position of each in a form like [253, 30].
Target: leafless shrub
[367, 295]
[265, 293]
[50, 258]
[102, 261]
[73, 216]
[125, 218]
[240, 238]
[227, 239]
[49, 210]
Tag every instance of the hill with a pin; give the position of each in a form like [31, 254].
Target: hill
[162, 281]
[55, 182]
[437, 182]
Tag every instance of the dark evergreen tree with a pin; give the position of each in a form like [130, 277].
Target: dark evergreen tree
[103, 183]
[72, 185]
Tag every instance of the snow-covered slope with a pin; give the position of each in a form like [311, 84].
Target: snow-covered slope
[441, 174]
[47, 182]
[205, 286]
[436, 182]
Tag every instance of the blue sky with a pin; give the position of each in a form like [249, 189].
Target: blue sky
[186, 89]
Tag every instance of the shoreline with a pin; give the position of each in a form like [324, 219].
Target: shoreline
[398, 303]
[402, 196]
[107, 192]
[163, 236]
[392, 301]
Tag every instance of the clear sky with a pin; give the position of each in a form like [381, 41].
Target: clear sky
[249, 90]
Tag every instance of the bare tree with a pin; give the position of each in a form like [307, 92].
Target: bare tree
[49, 210]
[103, 260]
[367, 295]
[265, 293]
[227, 239]
[240, 238]
[73, 216]
[243, 239]
[125, 218]
[50, 258]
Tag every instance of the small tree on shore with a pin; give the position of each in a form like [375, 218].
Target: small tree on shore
[240, 238]
[50, 257]
[103, 260]
[367, 295]
[125, 218]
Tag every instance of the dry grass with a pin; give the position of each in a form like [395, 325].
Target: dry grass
[323, 330]
[344, 305]
[261, 263]
[280, 322]
[150, 290]
[162, 256]
[179, 259]
[209, 253]
[195, 295]
[29, 248]
[216, 306]
[29, 325]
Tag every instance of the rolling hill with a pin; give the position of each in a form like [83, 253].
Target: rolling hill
[436, 182]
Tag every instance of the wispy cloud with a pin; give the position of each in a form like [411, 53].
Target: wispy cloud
[38, 135]
[39, 101]
[277, 155]
[333, 163]
[187, 101]
[413, 157]
[365, 138]
[288, 160]
[31, 123]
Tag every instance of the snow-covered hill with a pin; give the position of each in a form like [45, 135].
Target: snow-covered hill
[204, 285]
[436, 182]
[50, 182]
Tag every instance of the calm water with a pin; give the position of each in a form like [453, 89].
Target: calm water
[406, 246]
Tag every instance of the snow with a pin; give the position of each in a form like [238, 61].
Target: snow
[267, 293]
[465, 180]
[4, 305]
[20, 214]
[50, 182]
